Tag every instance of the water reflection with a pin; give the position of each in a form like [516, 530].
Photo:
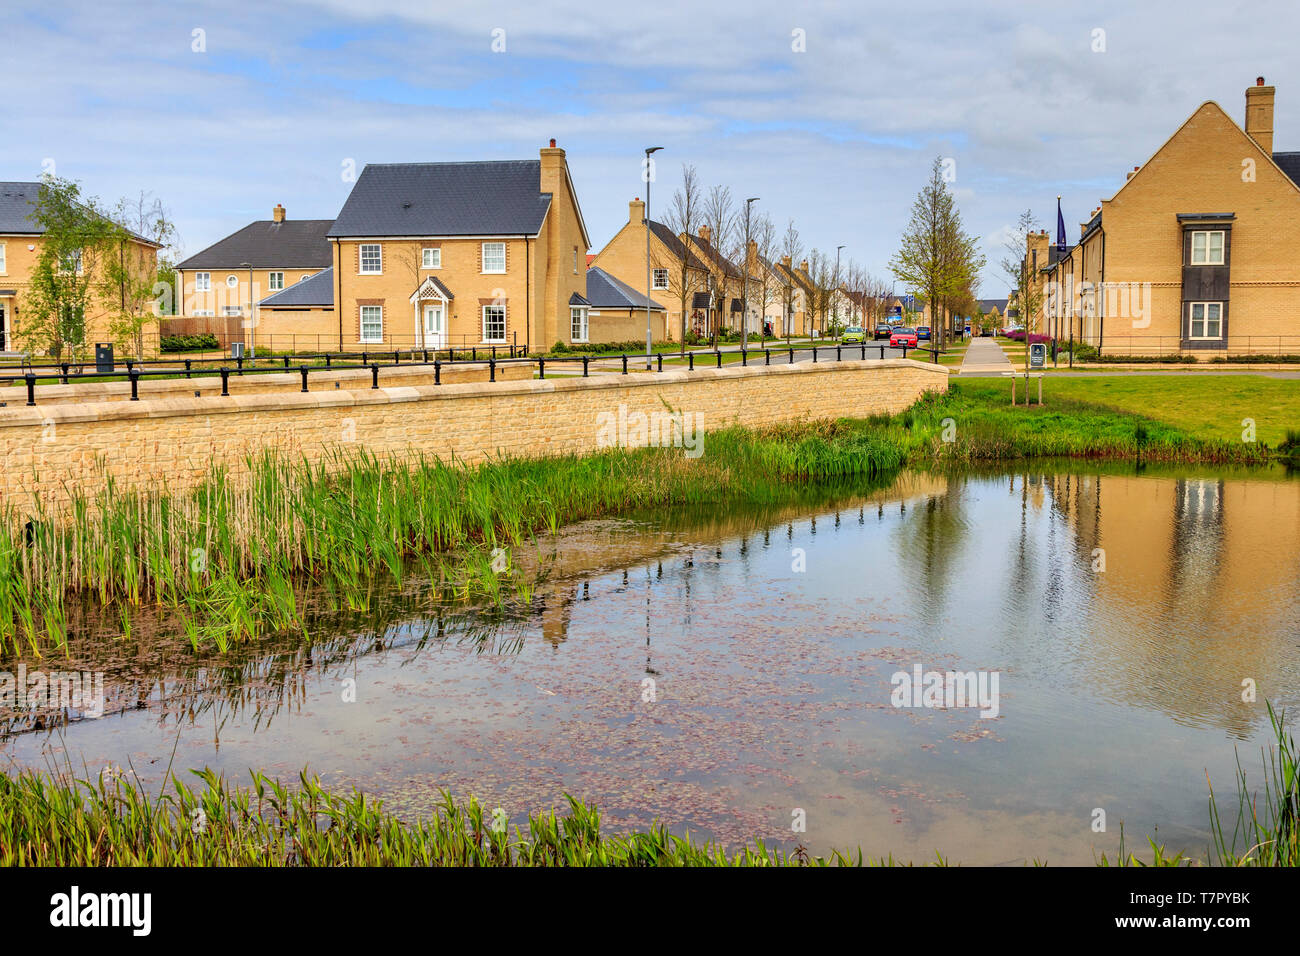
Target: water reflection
[1122, 610]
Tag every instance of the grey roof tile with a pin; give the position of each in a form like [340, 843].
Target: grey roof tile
[314, 290]
[604, 291]
[1290, 163]
[500, 198]
[266, 244]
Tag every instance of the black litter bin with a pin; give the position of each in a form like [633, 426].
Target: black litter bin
[104, 357]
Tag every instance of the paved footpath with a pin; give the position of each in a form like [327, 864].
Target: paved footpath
[984, 355]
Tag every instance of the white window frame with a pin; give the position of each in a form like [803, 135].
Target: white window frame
[431, 257]
[377, 312]
[579, 324]
[304, 277]
[484, 252]
[494, 341]
[275, 281]
[202, 282]
[1205, 321]
[232, 281]
[1206, 254]
[655, 283]
[4, 268]
[378, 270]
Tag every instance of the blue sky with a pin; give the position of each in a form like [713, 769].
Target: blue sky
[838, 136]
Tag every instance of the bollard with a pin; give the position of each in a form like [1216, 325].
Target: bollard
[303, 369]
[541, 368]
[791, 362]
[625, 364]
[744, 356]
[492, 368]
[864, 350]
[691, 360]
[767, 356]
[839, 355]
[374, 377]
[584, 366]
[814, 355]
[437, 372]
[660, 356]
[225, 380]
[30, 378]
[134, 376]
[719, 351]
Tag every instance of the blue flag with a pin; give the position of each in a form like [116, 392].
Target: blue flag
[1060, 228]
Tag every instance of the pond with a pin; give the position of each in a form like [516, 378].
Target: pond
[736, 675]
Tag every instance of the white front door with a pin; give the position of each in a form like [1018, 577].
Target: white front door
[435, 330]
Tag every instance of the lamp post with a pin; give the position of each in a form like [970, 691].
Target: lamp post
[648, 177]
[744, 300]
[252, 352]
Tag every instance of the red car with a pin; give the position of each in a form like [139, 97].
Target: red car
[903, 337]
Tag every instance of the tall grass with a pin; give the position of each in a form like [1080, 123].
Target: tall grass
[231, 558]
[1267, 830]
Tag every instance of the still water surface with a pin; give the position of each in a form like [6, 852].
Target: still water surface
[1121, 612]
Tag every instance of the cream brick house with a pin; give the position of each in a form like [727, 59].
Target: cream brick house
[1198, 251]
[463, 254]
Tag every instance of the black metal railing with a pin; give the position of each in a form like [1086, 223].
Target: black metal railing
[142, 371]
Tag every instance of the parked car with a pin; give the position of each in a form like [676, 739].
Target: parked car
[923, 332]
[903, 338]
[884, 330]
[854, 333]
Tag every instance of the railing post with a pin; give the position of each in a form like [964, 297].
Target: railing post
[864, 351]
[187, 367]
[624, 363]
[744, 356]
[660, 357]
[473, 353]
[690, 358]
[426, 356]
[437, 372]
[767, 356]
[303, 369]
[286, 361]
[492, 368]
[225, 380]
[839, 355]
[238, 362]
[541, 368]
[719, 351]
[30, 378]
[365, 358]
[327, 360]
[397, 357]
[814, 355]
[584, 366]
[374, 377]
[134, 376]
[65, 373]
[791, 362]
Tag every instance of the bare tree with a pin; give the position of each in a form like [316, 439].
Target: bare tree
[764, 243]
[720, 220]
[682, 219]
[791, 253]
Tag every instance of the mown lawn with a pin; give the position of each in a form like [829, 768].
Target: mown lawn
[1208, 407]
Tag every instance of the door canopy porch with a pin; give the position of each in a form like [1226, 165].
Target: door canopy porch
[431, 289]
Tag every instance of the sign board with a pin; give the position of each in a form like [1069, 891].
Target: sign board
[1037, 355]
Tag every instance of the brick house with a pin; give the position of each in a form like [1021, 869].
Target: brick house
[220, 286]
[21, 240]
[468, 254]
[1198, 252]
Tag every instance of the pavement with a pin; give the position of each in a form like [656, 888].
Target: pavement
[985, 357]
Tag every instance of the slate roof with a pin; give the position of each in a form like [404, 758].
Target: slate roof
[267, 244]
[315, 290]
[606, 292]
[501, 198]
[1290, 163]
[16, 207]
[987, 305]
[708, 252]
[675, 245]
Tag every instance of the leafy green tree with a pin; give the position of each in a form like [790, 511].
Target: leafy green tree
[132, 282]
[76, 236]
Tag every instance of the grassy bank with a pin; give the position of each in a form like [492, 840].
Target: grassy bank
[112, 821]
[231, 560]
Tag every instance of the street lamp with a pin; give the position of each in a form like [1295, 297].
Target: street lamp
[744, 301]
[647, 176]
[252, 352]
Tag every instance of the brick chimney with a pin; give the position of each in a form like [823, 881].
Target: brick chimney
[803, 265]
[751, 255]
[706, 233]
[552, 169]
[1037, 242]
[277, 214]
[785, 261]
[636, 212]
[1259, 114]
[1128, 176]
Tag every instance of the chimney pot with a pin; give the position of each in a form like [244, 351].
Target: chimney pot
[552, 144]
[1259, 81]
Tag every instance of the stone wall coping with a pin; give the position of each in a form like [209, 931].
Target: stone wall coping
[147, 408]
